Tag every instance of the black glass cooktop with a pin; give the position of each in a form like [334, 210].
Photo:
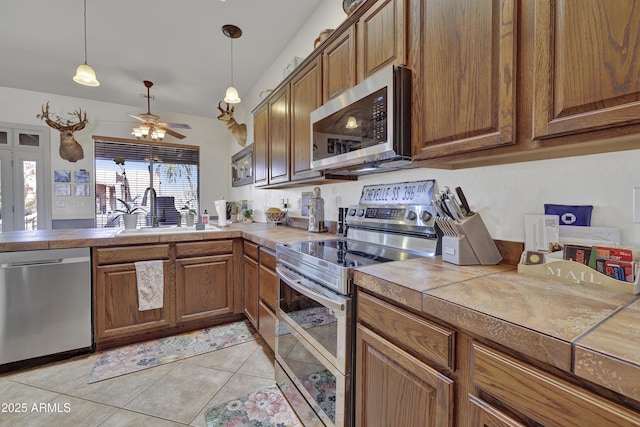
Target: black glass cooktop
[349, 253]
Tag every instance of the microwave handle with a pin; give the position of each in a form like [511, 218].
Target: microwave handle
[334, 304]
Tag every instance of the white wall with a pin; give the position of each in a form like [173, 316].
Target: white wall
[105, 119]
[502, 194]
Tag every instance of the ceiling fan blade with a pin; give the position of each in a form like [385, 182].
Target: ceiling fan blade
[137, 117]
[173, 133]
[175, 125]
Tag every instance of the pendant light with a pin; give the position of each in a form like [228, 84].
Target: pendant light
[352, 123]
[84, 73]
[233, 32]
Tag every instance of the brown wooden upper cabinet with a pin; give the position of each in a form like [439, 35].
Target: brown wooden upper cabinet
[381, 37]
[339, 65]
[306, 96]
[463, 54]
[586, 66]
[279, 136]
[261, 145]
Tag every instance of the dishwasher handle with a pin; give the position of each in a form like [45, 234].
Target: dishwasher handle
[44, 262]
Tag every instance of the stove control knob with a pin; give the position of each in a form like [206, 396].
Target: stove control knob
[411, 216]
[426, 216]
[360, 212]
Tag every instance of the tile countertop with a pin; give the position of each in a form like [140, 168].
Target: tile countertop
[564, 325]
[261, 233]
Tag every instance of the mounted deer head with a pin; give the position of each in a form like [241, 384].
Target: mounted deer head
[69, 148]
[238, 130]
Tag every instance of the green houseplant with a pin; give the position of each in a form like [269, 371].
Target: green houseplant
[191, 213]
[129, 214]
[247, 215]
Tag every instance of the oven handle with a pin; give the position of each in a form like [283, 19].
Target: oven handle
[334, 304]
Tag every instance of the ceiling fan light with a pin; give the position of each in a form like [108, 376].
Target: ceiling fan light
[231, 96]
[352, 123]
[137, 132]
[159, 133]
[144, 131]
[86, 76]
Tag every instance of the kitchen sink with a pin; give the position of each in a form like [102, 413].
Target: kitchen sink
[166, 230]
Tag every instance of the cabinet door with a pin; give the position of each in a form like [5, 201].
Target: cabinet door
[587, 61]
[251, 290]
[116, 303]
[306, 96]
[261, 145]
[279, 136]
[396, 389]
[204, 287]
[339, 65]
[485, 415]
[464, 61]
[381, 37]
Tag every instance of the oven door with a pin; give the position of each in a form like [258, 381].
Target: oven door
[313, 348]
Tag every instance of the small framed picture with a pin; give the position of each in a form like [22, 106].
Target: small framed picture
[61, 176]
[81, 175]
[62, 189]
[82, 190]
[304, 203]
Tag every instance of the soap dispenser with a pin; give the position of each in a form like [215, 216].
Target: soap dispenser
[205, 217]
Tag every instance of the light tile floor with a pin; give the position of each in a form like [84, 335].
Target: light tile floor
[174, 394]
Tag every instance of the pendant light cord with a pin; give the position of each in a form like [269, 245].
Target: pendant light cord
[85, 31]
[230, 38]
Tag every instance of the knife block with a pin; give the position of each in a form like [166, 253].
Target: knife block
[472, 246]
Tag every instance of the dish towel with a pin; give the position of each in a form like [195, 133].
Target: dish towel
[150, 283]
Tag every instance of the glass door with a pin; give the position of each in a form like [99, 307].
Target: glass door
[22, 188]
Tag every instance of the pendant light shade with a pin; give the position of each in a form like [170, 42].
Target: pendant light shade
[232, 96]
[85, 75]
[233, 32]
[352, 123]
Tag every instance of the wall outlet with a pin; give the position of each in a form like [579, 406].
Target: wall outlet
[636, 204]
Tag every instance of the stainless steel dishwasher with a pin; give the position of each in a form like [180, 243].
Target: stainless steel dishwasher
[45, 303]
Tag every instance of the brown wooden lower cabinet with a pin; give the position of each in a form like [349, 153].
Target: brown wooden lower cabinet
[405, 373]
[539, 397]
[200, 282]
[250, 268]
[268, 296]
[116, 303]
[393, 388]
[204, 287]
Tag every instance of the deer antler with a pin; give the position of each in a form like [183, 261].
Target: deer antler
[62, 125]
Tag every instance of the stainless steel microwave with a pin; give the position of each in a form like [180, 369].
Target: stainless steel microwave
[367, 128]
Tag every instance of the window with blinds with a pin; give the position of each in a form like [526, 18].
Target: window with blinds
[172, 170]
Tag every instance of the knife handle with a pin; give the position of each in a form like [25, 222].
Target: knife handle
[463, 200]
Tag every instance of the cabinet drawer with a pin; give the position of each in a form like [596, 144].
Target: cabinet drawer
[267, 324]
[251, 250]
[268, 287]
[412, 332]
[268, 258]
[542, 397]
[211, 247]
[125, 254]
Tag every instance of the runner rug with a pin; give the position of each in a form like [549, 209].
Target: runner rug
[125, 360]
[266, 407]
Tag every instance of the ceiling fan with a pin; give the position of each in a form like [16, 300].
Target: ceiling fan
[151, 123]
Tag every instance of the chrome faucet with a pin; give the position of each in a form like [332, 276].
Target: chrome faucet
[154, 207]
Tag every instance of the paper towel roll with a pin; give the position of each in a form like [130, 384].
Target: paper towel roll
[221, 209]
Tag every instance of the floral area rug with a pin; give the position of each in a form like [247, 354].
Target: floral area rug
[309, 318]
[125, 360]
[266, 407]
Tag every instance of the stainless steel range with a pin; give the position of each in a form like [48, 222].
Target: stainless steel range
[314, 351]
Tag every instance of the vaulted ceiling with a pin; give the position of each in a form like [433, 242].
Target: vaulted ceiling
[176, 44]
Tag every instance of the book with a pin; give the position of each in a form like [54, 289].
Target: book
[581, 254]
